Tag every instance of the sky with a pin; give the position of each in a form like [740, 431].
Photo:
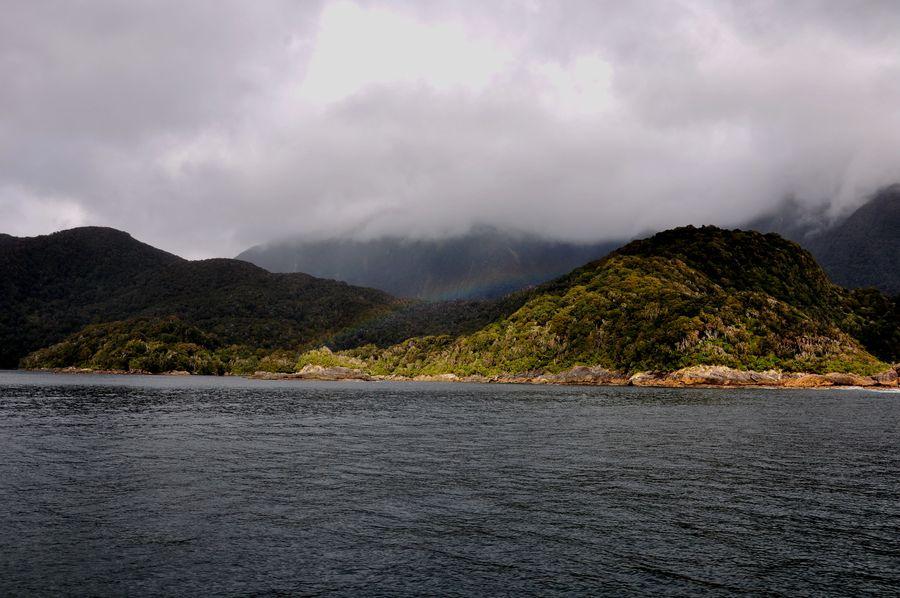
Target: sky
[206, 126]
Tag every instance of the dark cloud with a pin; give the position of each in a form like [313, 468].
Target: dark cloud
[205, 127]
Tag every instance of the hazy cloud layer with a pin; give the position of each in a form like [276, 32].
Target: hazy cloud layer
[207, 126]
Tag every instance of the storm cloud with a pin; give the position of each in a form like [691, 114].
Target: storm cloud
[204, 127]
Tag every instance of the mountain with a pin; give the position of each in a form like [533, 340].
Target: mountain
[681, 298]
[484, 263]
[862, 250]
[54, 285]
[685, 297]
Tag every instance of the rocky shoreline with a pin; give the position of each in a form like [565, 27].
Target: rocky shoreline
[694, 376]
[709, 376]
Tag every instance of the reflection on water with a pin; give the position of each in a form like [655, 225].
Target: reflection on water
[155, 485]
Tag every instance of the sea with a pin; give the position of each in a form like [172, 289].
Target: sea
[203, 486]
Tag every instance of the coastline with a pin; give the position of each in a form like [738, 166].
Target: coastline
[690, 377]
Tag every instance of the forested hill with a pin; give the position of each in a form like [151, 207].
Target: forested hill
[688, 296]
[684, 297]
[53, 285]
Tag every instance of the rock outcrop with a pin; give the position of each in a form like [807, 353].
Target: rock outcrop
[584, 375]
[887, 378]
[706, 375]
[315, 372]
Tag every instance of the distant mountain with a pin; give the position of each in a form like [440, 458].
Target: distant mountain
[484, 263]
[862, 250]
[792, 221]
[684, 297]
[53, 285]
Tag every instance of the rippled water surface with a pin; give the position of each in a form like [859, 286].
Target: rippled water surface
[153, 485]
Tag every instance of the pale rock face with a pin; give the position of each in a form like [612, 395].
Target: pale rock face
[318, 372]
[886, 378]
[849, 380]
[585, 375]
[808, 381]
[711, 375]
[700, 375]
[646, 379]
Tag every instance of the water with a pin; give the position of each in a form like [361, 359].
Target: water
[152, 485]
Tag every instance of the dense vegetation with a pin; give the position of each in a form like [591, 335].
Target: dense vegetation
[158, 345]
[54, 285]
[450, 318]
[683, 297]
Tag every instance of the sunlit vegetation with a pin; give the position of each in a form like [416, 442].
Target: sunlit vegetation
[684, 297]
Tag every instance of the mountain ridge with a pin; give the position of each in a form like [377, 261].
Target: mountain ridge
[681, 298]
[685, 298]
[484, 263]
[54, 285]
[861, 250]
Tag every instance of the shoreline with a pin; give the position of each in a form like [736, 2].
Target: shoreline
[690, 377]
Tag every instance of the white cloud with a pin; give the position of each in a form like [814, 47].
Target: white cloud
[206, 127]
[360, 46]
[26, 214]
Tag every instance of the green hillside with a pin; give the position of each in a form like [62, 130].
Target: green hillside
[689, 296]
[684, 297]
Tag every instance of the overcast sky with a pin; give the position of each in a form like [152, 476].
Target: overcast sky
[204, 127]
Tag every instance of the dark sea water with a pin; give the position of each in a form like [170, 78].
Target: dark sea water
[202, 486]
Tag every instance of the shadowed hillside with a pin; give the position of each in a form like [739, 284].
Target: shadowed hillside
[484, 263]
[56, 284]
[862, 250]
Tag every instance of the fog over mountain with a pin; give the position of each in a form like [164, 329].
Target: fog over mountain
[207, 127]
[483, 263]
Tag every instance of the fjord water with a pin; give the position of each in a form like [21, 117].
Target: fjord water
[156, 485]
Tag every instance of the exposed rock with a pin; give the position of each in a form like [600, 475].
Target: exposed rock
[261, 375]
[807, 381]
[767, 377]
[315, 372]
[647, 379]
[886, 378]
[518, 379]
[702, 375]
[318, 372]
[582, 374]
[71, 370]
[437, 378]
[714, 375]
[849, 379]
